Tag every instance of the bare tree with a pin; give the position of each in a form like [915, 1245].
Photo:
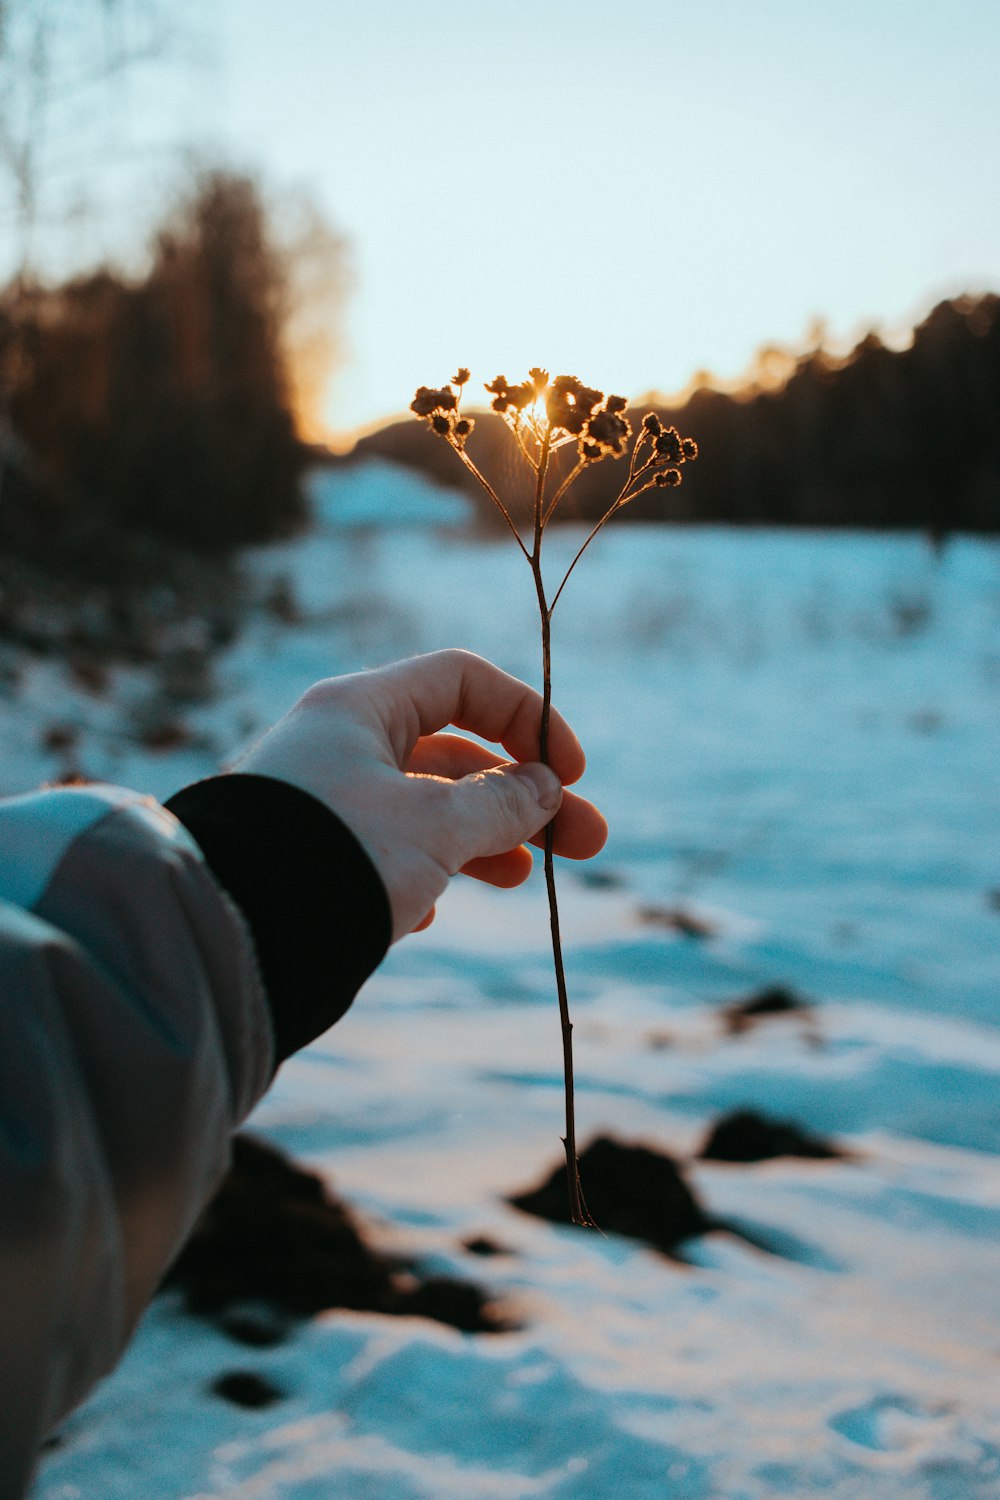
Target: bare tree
[59, 60]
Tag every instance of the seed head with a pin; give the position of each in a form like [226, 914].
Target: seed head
[427, 401]
[569, 404]
[689, 448]
[668, 445]
[461, 376]
[652, 424]
[499, 390]
[609, 431]
[668, 478]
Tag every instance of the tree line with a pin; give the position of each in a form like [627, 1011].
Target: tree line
[879, 437]
[159, 403]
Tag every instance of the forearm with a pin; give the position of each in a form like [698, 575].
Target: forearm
[317, 909]
[136, 1031]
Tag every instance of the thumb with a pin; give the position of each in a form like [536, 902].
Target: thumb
[496, 810]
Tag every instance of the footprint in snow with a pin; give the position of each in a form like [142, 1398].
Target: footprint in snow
[891, 1424]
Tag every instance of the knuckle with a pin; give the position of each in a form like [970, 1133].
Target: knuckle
[507, 805]
[458, 659]
[329, 690]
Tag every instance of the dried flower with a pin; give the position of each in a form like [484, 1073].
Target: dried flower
[543, 415]
[609, 431]
[668, 445]
[428, 401]
[507, 395]
[461, 431]
[568, 404]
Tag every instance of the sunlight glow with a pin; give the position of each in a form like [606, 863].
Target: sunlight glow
[695, 212]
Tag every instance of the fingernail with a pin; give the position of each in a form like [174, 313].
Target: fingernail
[544, 785]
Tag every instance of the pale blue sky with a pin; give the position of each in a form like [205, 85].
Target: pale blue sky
[626, 190]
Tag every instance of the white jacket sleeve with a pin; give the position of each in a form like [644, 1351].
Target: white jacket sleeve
[134, 1036]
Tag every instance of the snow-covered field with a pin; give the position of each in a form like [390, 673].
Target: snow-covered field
[794, 738]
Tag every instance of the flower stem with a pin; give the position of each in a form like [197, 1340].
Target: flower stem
[467, 461]
[602, 522]
[577, 1206]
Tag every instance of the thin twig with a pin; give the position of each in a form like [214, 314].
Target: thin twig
[467, 461]
[602, 522]
[624, 498]
[570, 479]
[515, 428]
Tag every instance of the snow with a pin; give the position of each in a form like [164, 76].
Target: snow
[793, 735]
[380, 494]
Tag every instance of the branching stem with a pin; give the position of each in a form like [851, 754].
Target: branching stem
[467, 461]
[602, 522]
[571, 478]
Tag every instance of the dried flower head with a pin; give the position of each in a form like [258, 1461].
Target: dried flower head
[550, 412]
[427, 401]
[668, 445]
[508, 397]
[609, 430]
[439, 408]
[569, 403]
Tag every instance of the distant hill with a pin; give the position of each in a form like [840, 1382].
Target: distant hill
[877, 438]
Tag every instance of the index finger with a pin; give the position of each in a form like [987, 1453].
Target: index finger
[469, 692]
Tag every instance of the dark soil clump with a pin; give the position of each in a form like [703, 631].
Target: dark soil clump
[275, 1234]
[259, 1327]
[482, 1244]
[629, 1189]
[773, 1000]
[246, 1388]
[678, 919]
[745, 1136]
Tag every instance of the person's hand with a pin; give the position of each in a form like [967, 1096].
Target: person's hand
[425, 805]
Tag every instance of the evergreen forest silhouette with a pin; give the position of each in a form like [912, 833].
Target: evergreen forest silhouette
[878, 438]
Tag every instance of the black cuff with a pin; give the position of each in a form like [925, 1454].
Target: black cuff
[317, 908]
